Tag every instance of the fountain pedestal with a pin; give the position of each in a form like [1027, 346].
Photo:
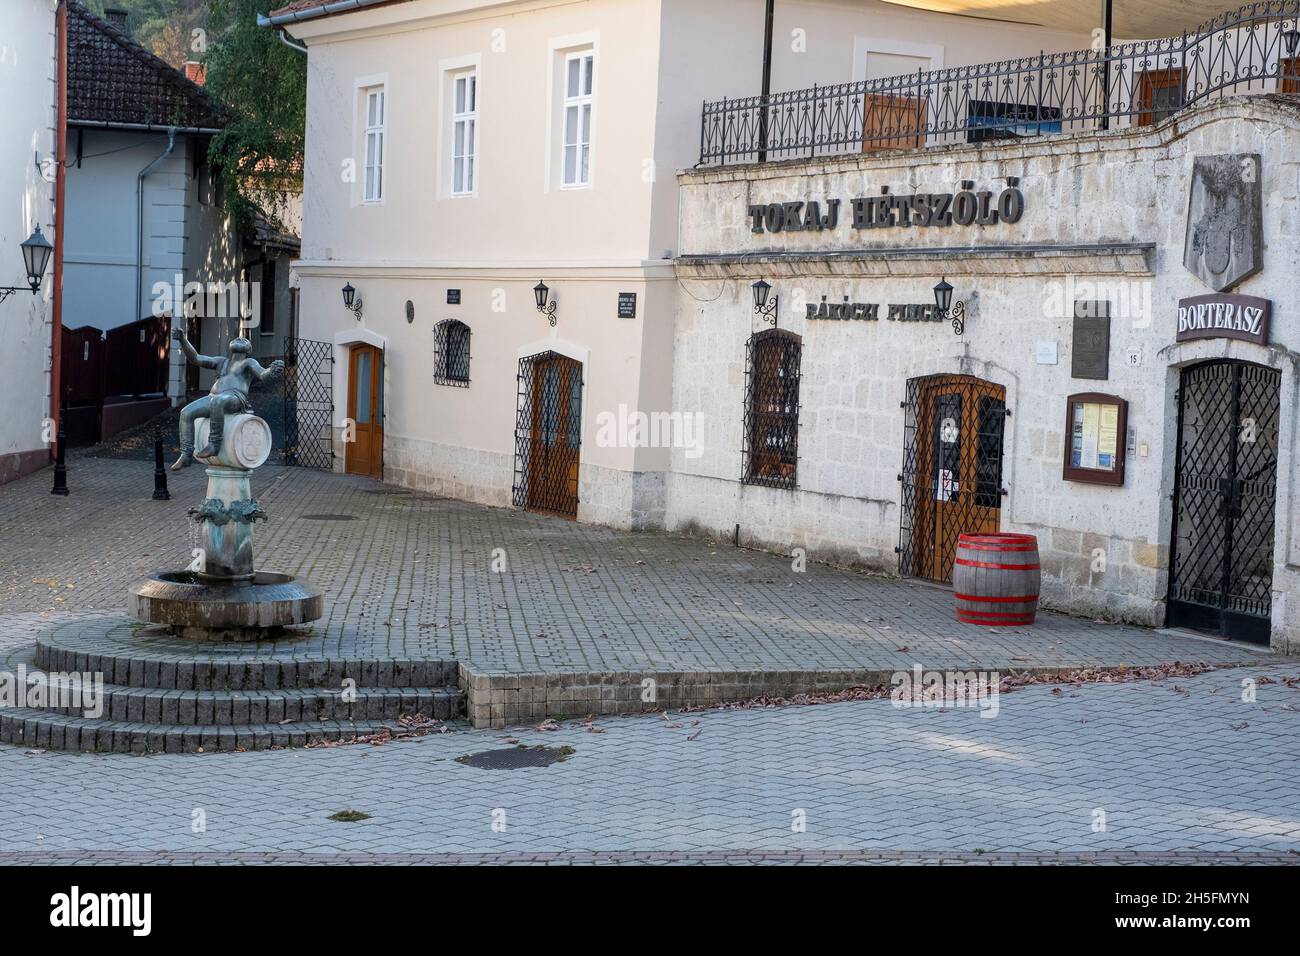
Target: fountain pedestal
[223, 597]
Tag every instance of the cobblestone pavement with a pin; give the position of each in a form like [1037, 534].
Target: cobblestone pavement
[410, 575]
[1183, 771]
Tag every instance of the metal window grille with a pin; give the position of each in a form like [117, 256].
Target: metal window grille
[1249, 50]
[771, 450]
[451, 353]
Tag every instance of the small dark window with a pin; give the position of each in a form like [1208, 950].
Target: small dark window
[772, 409]
[451, 356]
[203, 182]
[266, 297]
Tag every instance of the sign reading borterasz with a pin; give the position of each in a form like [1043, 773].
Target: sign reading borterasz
[1224, 241]
[1244, 317]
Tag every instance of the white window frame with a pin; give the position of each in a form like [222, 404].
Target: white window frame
[864, 46]
[583, 103]
[377, 133]
[460, 119]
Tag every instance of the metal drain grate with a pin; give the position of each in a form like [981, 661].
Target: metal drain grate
[515, 758]
[328, 517]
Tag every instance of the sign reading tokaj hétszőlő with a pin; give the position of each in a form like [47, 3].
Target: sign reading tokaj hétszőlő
[967, 207]
[1224, 315]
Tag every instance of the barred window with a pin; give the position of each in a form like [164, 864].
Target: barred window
[451, 353]
[988, 452]
[772, 409]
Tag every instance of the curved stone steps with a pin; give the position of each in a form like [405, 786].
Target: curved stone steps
[151, 705]
[42, 730]
[166, 694]
[227, 667]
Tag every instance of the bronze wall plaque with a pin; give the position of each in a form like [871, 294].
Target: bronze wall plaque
[1090, 347]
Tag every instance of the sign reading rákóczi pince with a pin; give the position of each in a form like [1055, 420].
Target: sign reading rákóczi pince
[1223, 315]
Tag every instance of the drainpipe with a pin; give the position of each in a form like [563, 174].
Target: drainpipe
[321, 10]
[290, 44]
[139, 219]
[60, 187]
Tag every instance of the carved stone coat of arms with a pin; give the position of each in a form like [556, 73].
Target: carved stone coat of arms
[1224, 241]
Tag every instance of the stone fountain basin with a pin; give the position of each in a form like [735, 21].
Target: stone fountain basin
[205, 609]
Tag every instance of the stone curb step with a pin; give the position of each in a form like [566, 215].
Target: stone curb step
[227, 708]
[181, 671]
[44, 731]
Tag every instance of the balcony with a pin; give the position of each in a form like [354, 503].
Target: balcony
[1250, 50]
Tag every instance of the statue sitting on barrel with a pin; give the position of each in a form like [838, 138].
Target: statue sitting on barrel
[228, 395]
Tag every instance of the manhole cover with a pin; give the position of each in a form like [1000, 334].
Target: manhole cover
[513, 758]
[329, 517]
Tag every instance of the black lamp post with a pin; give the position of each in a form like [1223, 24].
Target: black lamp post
[350, 300]
[761, 306]
[541, 293]
[36, 251]
[952, 311]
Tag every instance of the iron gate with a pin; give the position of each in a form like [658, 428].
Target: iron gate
[1225, 490]
[952, 469]
[548, 434]
[309, 403]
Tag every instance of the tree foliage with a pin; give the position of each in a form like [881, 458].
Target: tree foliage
[163, 27]
[264, 85]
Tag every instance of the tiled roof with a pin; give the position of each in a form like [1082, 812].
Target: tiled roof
[114, 80]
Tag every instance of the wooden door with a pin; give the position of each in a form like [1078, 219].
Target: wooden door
[892, 122]
[365, 452]
[555, 433]
[959, 468]
[1289, 75]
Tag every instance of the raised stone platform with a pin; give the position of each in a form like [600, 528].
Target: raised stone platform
[163, 693]
[580, 618]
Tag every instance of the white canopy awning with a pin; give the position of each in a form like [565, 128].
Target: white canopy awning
[1133, 19]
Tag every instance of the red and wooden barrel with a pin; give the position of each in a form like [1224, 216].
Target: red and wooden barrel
[995, 579]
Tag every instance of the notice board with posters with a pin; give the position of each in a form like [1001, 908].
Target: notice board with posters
[1095, 428]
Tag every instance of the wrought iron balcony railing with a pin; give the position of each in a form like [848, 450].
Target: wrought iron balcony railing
[1250, 50]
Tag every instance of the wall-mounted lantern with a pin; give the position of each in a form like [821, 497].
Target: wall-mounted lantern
[541, 292]
[761, 306]
[36, 251]
[1292, 39]
[954, 312]
[352, 301]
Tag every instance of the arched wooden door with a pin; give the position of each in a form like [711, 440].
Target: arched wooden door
[548, 434]
[365, 452]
